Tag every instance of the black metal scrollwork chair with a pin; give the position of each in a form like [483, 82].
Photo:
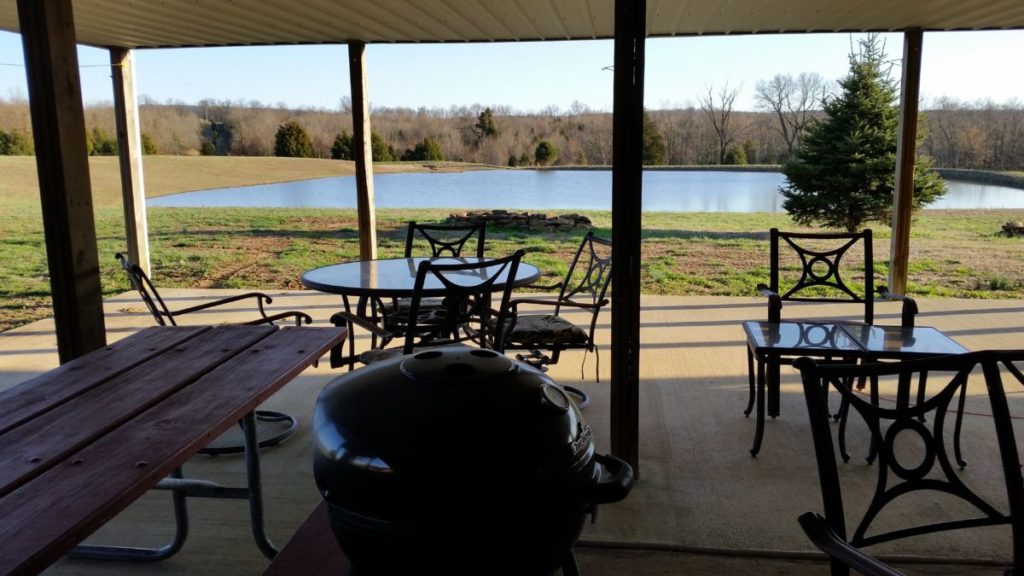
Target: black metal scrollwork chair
[445, 239]
[913, 458]
[466, 312]
[824, 273]
[546, 335]
[164, 316]
[439, 240]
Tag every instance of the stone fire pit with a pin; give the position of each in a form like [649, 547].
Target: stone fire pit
[1014, 228]
[522, 220]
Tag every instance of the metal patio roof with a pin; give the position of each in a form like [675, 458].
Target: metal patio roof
[177, 23]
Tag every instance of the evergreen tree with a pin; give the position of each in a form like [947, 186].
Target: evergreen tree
[426, 151]
[654, 144]
[380, 151]
[736, 156]
[843, 173]
[148, 145]
[101, 143]
[546, 153]
[291, 141]
[485, 125]
[431, 150]
[342, 147]
[16, 143]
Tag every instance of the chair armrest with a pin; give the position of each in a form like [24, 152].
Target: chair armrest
[349, 319]
[555, 286]
[300, 318]
[515, 303]
[821, 535]
[774, 302]
[909, 305]
[260, 297]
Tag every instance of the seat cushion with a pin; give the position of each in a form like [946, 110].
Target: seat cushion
[538, 330]
[401, 306]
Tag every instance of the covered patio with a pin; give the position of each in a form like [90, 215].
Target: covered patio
[674, 383]
[702, 506]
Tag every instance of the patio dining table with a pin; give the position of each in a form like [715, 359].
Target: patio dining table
[371, 281]
[80, 443]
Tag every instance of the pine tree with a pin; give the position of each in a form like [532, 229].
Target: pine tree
[292, 141]
[380, 151]
[342, 147]
[485, 125]
[546, 153]
[654, 144]
[843, 173]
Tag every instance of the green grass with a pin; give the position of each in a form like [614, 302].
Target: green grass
[956, 253]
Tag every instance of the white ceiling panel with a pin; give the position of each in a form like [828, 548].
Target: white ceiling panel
[159, 23]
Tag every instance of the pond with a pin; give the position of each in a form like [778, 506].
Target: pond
[664, 191]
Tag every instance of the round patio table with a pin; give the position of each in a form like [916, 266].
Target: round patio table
[371, 281]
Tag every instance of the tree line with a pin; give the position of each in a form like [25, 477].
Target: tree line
[975, 135]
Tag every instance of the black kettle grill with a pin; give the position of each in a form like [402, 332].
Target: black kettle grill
[458, 461]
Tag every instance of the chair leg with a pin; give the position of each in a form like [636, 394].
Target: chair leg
[843, 415]
[569, 565]
[759, 428]
[957, 426]
[750, 382]
[873, 451]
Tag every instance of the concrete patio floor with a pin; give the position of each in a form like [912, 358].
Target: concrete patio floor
[702, 504]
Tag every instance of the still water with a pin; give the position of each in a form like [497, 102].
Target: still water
[664, 191]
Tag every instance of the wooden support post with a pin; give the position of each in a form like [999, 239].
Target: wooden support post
[129, 150]
[58, 126]
[906, 155]
[627, 177]
[361, 146]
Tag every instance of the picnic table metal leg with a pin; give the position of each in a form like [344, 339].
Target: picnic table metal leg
[181, 488]
[138, 554]
[255, 487]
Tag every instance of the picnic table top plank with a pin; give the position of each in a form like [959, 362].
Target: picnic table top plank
[47, 391]
[47, 515]
[29, 449]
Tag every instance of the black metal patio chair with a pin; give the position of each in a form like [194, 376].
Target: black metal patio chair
[435, 241]
[466, 313]
[164, 316]
[546, 335]
[914, 459]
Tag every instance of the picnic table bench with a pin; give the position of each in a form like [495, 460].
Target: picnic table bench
[80, 443]
[312, 550]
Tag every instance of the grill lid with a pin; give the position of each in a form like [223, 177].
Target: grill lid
[452, 414]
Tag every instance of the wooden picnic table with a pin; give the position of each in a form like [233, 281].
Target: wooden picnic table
[81, 442]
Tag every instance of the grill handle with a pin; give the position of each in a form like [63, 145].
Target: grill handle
[615, 479]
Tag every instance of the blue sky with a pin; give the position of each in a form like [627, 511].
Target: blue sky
[531, 76]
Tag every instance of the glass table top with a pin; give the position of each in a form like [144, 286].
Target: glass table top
[397, 276]
[902, 342]
[877, 341]
[800, 336]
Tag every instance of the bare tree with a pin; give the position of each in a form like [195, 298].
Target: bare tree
[720, 114]
[792, 100]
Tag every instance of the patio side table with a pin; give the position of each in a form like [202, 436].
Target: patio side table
[771, 344]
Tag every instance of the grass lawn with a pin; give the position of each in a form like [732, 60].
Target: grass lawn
[954, 252]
